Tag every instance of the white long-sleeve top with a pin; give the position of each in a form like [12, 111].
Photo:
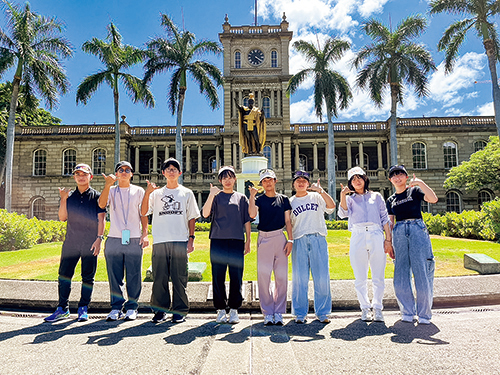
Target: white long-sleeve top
[367, 208]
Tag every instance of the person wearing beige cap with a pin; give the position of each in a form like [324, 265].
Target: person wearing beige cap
[368, 220]
[84, 233]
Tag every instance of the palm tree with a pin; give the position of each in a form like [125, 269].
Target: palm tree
[33, 44]
[176, 53]
[392, 60]
[331, 89]
[479, 12]
[116, 57]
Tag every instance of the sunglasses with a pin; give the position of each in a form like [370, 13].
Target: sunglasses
[301, 174]
[125, 170]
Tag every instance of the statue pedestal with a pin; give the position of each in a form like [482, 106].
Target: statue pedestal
[250, 167]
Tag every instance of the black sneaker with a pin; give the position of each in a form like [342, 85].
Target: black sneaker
[159, 316]
[178, 318]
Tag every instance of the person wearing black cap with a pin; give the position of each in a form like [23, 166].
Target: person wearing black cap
[128, 235]
[412, 245]
[84, 234]
[175, 210]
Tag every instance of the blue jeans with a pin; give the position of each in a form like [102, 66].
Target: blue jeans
[310, 252]
[413, 250]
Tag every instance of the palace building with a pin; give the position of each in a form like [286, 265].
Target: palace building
[255, 61]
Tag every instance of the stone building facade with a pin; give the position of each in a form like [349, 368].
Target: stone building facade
[255, 60]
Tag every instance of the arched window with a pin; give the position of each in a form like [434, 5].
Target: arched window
[38, 208]
[453, 202]
[302, 162]
[274, 59]
[419, 155]
[212, 164]
[450, 154]
[266, 106]
[267, 154]
[479, 145]
[154, 168]
[237, 60]
[69, 161]
[40, 163]
[484, 196]
[99, 161]
[365, 161]
[245, 101]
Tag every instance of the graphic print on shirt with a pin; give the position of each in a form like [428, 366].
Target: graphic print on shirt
[170, 206]
[305, 207]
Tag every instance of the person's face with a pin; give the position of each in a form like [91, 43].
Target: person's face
[399, 178]
[301, 185]
[228, 182]
[171, 173]
[268, 184]
[82, 178]
[124, 173]
[358, 183]
[250, 103]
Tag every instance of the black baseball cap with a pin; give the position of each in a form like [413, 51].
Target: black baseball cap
[397, 168]
[302, 174]
[171, 161]
[123, 163]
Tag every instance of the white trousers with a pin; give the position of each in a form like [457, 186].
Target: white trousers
[367, 250]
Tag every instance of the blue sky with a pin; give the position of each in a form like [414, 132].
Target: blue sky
[455, 94]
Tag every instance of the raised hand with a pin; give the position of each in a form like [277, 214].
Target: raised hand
[316, 187]
[64, 193]
[344, 190]
[253, 191]
[415, 181]
[109, 180]
[214, 190]
[151, 187]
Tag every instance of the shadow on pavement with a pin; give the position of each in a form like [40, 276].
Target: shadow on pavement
[359, 329]
[405, 333]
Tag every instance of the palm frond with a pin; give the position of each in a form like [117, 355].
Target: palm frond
[90, 85]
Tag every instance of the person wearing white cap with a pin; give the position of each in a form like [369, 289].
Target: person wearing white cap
[273, 248]
[368, 219]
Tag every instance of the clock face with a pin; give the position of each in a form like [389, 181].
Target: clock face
[255, 57]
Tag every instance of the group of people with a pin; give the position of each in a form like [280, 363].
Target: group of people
[394, 227]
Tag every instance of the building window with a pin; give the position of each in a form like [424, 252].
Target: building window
[450, 155]
[266, 106]
[38, 208]
[245, 101]
[365, 160]
[267, 154]
[69, 161]
[40, 163]
[425, 206]
[237, 60]
[453, 202]
[274, 59]
[479, 145]
[483, 197]
[302, 162]
[99, 161]
[212, 163]
[418, 152]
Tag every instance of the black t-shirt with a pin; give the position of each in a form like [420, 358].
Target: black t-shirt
[272, 211]
[228, 216]
[83, 209]
[406, 205]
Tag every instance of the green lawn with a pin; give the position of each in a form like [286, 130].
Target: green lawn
[42, 261]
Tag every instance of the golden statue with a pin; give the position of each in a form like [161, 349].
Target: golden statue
[252, 124]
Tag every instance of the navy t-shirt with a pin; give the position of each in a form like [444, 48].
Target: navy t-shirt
[272, 211]
[83, 209]
[406, 205]
[228, 216]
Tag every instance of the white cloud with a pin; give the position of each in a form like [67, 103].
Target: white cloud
[369, 7]
[486, 109]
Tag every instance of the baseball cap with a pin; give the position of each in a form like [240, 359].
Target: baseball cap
[354, 171]
[396, 168]
[171, 161]
[123, 163]
[302, 174]
[226, 168]
[266, 173]
[83, 167]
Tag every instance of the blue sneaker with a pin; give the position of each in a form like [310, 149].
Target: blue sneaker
[58, 315]
[82, 314]
[178, 318]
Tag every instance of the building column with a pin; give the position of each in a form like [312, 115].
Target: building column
[280, 155]
[315, 156]
[188, 158]
[349, 155]
[361, 155]
[273, 113]
[234, 154]
[379, 155]
[199, 200]
[273, 155]
[167, 152]
[136, 168]
[279, 103]
[217, 158]
[155, 159]
[297, 159]
[200, 165]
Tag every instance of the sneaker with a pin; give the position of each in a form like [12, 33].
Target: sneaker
[366, 315]
[233, 316]
[114, 315]
[268, 320]
[424, 321]
[378, 317]
[324, 320]
[58, 315]
[407, 318]
[221, 316]
[300, 320]
[278, 319]
[82, 314]
[130, 315]
[159, 316]
[178, 318]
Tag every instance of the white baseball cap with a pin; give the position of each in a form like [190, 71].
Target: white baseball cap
[354, 171]
[265, 173]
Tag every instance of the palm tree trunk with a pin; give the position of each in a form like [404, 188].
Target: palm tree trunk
[9, 152]
[331, 163]
[489, 46]
[178, 130]
[393, 124]
[117, 124]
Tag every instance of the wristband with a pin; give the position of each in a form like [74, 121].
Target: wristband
[291, 241]
[192, 236]
[101, 237]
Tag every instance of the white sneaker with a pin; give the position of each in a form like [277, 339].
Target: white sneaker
[131, 315]
[233, 316]
[366, 315]
[424, 321]
[268, 320]
[378, 317]
[114, 315]
[221, 316]
[278, 319]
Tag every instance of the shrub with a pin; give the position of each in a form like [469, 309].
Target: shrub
[492, 216]
[16, 231]
[336, 224]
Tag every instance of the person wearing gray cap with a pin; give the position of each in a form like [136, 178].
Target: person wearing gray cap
[273, 248]
[128, 235]
[368, 220]
[84, 234]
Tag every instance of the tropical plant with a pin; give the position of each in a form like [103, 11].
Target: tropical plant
[331, 89]
[33, 45]
[392, 60]
[176, 52]
[480, 14]
[116, 58]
